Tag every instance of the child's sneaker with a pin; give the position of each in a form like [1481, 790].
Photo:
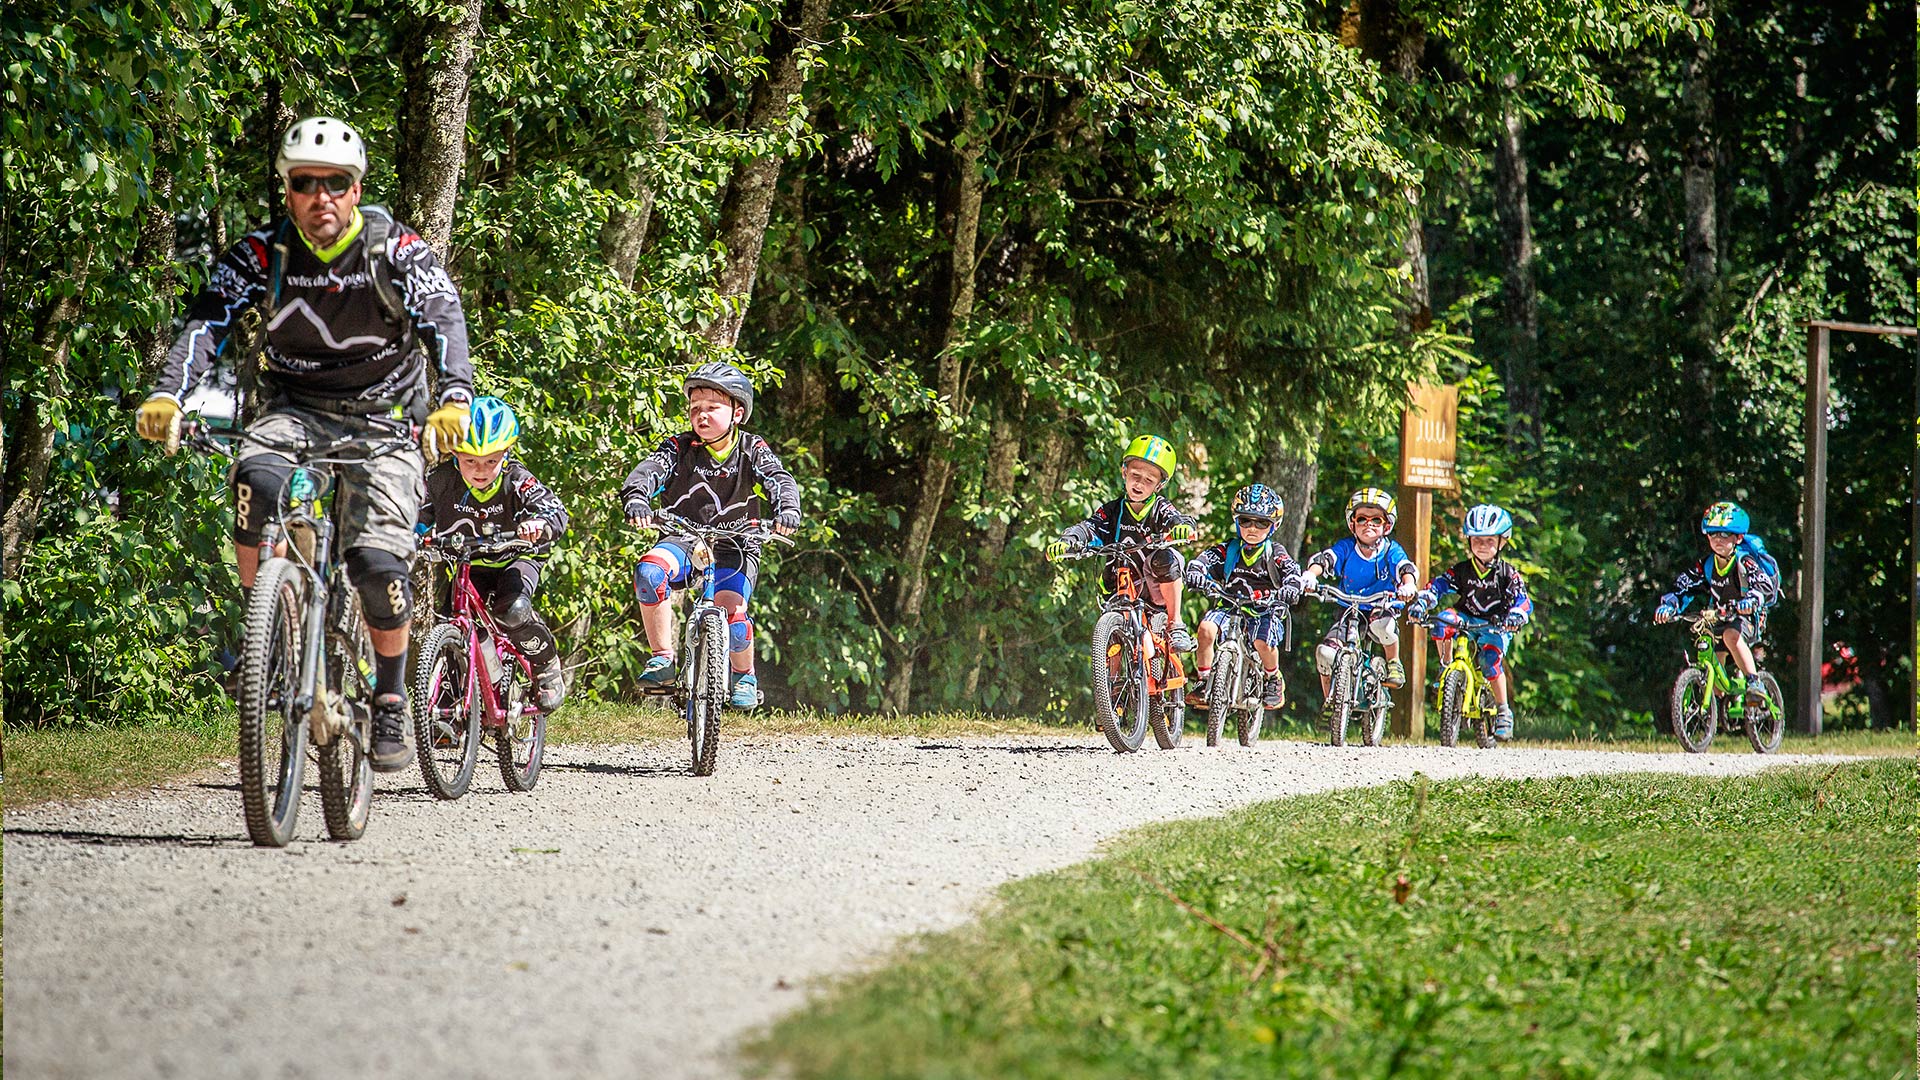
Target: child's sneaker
[1756, 695]
[1503, 723]
[552, 682]
[1275, 691]
[1396, 676]
[661, 669]
[1179, 638]
[1197, 690]
[746, 692]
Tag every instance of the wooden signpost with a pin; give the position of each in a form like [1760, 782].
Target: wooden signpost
[1427, 431]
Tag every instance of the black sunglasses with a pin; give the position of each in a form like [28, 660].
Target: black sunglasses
[334, 183]
[1258, 522]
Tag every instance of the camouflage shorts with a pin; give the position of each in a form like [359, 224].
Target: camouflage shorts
[378, 501]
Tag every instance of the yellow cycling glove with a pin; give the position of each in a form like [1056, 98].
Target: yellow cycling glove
[1181, 532]
[446, 426]
[156, 417]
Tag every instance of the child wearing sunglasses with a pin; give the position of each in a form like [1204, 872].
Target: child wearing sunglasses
[1251, 567]
[1367, 562]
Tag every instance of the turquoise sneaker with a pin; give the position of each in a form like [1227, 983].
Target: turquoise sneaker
[660, 670]
[1503, 724]
[746, 692]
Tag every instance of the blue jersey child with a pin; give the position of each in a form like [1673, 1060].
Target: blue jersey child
[1367, 562]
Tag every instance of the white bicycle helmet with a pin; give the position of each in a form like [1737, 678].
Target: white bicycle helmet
[323, 142]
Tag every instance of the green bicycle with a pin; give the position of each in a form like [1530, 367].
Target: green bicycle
[1708, 694]
[1465, 694]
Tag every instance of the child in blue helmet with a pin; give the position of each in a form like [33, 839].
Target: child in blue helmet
[1252, 566]
[714, 474]
[1490, 589]
[481, 490]
[1140, 514]
[1733, 580]
[1370, 561]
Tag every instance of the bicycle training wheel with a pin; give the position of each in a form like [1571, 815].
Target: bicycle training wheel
[446, 713]
[1695, 712]
[1116, 687]
[273, 738]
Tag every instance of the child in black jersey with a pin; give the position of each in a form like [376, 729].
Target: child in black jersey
[1251, 567]
[1490, 589]
[1139, 515]
[714, 474]
[1737, 577]
[481, 490]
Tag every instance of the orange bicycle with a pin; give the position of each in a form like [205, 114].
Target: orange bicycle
[1137, 678]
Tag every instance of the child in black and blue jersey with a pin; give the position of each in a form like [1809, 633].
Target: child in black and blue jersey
[1737, 576]
[1253, 566]
[1490, 589]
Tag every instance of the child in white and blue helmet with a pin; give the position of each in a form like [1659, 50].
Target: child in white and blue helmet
[714, 474]
[1139, 515]
[1732, 580]
[481, 490]
[1368, 562]
[1255, 567]
[1491, 591]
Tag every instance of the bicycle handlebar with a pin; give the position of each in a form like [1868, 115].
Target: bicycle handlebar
[1088, 551]
[459, 547]
[1389, 600]
[750, 529]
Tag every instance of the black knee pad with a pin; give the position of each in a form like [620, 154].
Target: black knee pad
[259, 487]
[385, 587]
[513, 612]
[1165, 566]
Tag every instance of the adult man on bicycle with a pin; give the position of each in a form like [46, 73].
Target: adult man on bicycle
[350, 304]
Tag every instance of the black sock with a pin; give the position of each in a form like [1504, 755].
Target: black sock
[390, 674]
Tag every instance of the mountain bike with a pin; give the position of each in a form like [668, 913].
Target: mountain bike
[1358, 682]
[1465, 694]
[1236, 683]
[700, 691]
[1137, 677]
[451, 708]
[1710, 693]
[306, 661]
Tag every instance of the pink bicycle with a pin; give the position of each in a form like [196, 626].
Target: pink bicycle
[451, 708]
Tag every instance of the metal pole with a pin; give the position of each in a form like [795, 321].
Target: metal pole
[1813, 532]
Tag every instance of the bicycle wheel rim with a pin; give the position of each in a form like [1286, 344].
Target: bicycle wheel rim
[1692, 705]
[1116, 685]
[1766, 730]
[446, 716]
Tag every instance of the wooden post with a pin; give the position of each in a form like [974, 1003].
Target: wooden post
[1813, 531]
[1415, 533]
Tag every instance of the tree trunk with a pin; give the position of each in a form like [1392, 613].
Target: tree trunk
[996, 489]
[438, 55]
[1291, 467]
[749, 199]
[1700, 244]
[153, 259]
[276, 116]
[30, 431]
[1519, 300]
[1388, 37]
[910, 597]
[625, 233]
[803, 396]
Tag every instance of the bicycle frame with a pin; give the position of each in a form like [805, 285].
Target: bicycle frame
[1369, 692]
[1719, 672]
[1479, 689]
[1238, 634]
[470, 614]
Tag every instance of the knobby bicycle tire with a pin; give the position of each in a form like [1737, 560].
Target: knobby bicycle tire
[1340, 695]
[446, 713]
[269, 672]
[1453, 700]
[346, 774]
[1695, 712]
[709, 692]
[1765, 736]
[521, 742]
[1223, 691]
[1116, 690]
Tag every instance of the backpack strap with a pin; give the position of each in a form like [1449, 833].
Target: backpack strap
[378, 235]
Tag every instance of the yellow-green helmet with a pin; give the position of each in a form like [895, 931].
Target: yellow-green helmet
[1153, 450]
[491, 426]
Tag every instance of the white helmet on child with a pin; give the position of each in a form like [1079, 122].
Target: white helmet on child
[323, 142]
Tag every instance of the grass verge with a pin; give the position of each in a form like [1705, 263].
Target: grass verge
[1637, 926]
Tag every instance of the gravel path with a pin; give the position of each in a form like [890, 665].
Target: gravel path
[624, 920]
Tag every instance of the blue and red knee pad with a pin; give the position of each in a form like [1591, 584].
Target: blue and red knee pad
[668, 566]
[1489, 645]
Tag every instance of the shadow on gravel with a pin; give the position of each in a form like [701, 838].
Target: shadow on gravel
[605, 769]
[1069, 748]
[107, 839]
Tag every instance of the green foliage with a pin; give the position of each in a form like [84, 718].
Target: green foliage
[1408, 931]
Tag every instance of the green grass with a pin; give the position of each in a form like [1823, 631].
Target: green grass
[1640, 926]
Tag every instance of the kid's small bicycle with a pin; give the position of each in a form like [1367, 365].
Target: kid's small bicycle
[1358, 683]
[1137, 677]
[700, 691]
[1465, 694]
[1236, 682]
[451, 708]
[1710, 693]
